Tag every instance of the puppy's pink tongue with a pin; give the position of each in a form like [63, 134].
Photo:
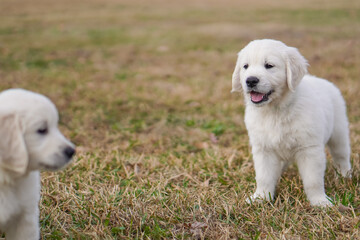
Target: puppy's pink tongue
[256, 96]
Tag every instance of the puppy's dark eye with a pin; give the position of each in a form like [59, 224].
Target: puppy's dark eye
[246, 66]
[268, 66]
[42, 131]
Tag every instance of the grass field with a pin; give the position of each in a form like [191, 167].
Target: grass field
[143, 90]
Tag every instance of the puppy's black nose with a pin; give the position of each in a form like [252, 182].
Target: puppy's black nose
[252, 81]
[69, 152]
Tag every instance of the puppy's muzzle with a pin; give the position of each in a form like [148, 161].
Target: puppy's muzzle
[252, 82]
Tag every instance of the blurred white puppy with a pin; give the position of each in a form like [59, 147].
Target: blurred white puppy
[29, 141]
[290, 116]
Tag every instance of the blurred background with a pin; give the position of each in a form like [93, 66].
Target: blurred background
[143, 87]
[124, 66]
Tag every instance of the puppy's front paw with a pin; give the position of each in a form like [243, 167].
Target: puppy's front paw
[254, 199]
[346, 173]
[258, 198]
[344, 168]
[321, 201]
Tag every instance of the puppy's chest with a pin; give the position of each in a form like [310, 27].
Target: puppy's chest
[9, 205]
[273, 133]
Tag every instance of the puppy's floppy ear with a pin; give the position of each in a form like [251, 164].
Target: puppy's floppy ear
[13, 153]
[236, 85]
[296, 68]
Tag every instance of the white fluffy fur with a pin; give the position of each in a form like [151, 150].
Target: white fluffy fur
[23, 151]
[302, 115]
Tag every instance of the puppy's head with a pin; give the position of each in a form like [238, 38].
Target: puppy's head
[266, 70]
[30, 139]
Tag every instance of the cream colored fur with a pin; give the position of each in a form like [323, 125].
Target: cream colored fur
[300, 115]
[29, 141]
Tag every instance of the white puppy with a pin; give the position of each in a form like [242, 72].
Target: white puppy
[290, 116]
[29, 141]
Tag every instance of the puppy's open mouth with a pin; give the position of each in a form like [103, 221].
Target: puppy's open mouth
[257, 97]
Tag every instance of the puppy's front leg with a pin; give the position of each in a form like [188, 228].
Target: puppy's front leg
[25, 227]
[268, 169]
[312, 164]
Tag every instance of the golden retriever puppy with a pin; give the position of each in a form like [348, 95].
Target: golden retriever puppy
[290, 116]
[29, 141]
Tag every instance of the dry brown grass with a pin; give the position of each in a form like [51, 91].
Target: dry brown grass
[143, 89]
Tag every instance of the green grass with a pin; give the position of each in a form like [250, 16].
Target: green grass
[143, 90]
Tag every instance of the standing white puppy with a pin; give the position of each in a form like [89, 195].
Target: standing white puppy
[29, 141]
[290, 116]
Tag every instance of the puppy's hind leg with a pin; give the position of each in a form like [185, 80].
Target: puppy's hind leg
[339, 146]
